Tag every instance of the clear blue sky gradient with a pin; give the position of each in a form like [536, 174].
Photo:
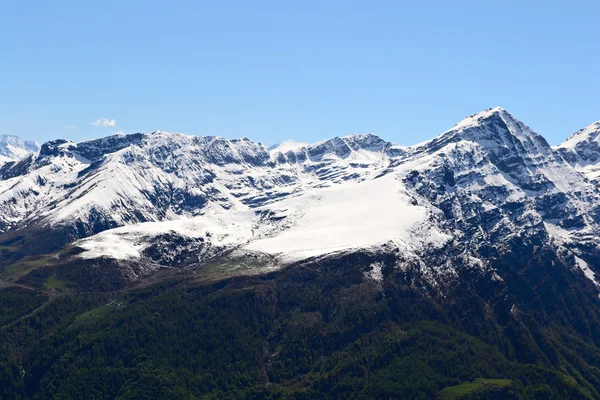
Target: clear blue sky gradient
[306, 70]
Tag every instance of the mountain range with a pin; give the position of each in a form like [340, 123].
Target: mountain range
[485, 228]
[486, 181]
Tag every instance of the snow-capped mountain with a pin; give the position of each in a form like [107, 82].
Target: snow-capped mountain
[484, 232]
[287, 145]
[13, 148]
[442, 207]
[582, 150]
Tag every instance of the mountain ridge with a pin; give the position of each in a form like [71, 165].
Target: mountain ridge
[486, 179]
[221, 152]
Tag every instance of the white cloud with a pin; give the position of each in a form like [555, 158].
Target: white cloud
[104, 122]
[120, 132]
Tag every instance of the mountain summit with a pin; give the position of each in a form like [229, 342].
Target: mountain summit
[13, 148]
[582, 150]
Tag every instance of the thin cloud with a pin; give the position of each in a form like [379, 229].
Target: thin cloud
[104, 123]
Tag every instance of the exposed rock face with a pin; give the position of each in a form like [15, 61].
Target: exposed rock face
[443, 207]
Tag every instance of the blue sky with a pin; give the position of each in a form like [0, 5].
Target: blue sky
[306, 70]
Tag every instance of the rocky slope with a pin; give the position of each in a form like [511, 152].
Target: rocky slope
[582, 150]
[442, 207]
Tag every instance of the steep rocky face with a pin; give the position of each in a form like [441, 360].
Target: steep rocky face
[493, 170]
[338, 148]
[497, 183]
[443, 207]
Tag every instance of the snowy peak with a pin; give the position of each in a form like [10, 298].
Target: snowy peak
[211, 149]
[13, 148]
[17, 142]
[352, 148]
[500, 160]
[342, 147]
[161, 147]
[582, 150]
[589, 134]
[496, 127]
[583, 145]
[478, 118]
[504, 138]
[488, 116]
[287, 145]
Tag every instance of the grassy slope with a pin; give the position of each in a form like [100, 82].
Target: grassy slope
[478, 385]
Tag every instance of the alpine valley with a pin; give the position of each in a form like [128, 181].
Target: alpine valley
[167, 266]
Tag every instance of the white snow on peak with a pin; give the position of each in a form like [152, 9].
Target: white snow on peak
[287, 145]
[582, 151]
[475, 119]
[492, 128]
[13, 148]
[590, 133]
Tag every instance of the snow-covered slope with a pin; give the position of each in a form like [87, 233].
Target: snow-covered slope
[325, 220]
[354, 215]
[445, 205]
[582, 150]
[13, 148]
[139, 178]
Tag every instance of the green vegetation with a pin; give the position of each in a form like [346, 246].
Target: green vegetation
[17, 301]
[222, 269]
[8, 248]
[300, 333]
[91, 316]
[14, 270]
[24, 266]
[478, 385]
[54, 283]
[259, 337]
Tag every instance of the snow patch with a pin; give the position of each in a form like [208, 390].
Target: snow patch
[376, 272]
[109, 245]
[587, 271]
[129, 241]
